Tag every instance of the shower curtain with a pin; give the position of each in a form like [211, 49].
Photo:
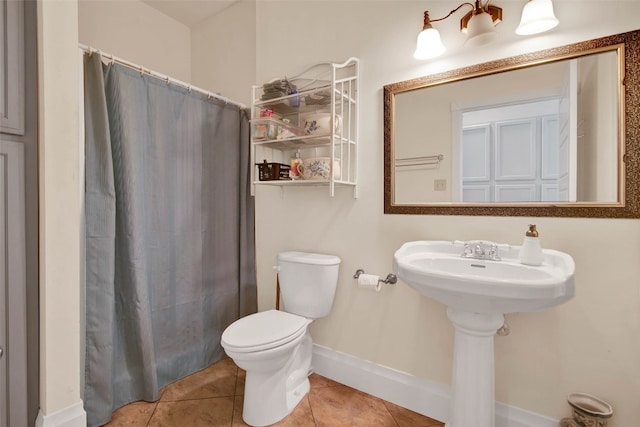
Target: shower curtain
[170, 258]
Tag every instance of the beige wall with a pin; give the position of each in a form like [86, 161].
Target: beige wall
[590, 344]
[223, 52]
[59, 205]
[133, 30]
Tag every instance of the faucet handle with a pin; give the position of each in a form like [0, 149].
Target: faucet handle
[493, 253]
[467, 249]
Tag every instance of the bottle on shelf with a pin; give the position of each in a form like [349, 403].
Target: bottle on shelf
[294, 173]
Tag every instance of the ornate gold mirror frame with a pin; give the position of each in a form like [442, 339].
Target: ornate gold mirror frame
[628, 204]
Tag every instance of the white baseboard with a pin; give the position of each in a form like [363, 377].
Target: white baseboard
[71, 416]
[418, 394]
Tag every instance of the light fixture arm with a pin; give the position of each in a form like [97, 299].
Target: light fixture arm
[426, 15]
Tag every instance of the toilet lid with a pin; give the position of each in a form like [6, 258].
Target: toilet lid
[264, 330]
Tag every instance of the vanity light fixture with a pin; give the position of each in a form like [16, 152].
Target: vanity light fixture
[537, 17]
[479, 25]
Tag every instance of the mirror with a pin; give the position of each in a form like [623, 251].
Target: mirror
[551, 133]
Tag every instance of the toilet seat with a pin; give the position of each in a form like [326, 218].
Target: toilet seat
[263, 331]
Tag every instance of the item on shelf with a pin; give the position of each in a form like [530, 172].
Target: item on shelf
[268, 112]
[277, 89]
[286, 130]
[319, 169]
[273, 171]
[318, 98]
[270, 128]
[319, 124]
[310, 84]
[263, 129]
[295, 162]
[295, 101]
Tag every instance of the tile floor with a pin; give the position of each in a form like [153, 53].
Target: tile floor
[213, 398]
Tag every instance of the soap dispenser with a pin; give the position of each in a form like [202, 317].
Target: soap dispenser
[531, 250]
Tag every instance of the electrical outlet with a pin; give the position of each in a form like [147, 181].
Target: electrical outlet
[440, 184]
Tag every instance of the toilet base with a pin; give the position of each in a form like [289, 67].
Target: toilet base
[271, 396]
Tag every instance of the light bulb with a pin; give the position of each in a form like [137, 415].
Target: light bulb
[537, 17]
[428, 44]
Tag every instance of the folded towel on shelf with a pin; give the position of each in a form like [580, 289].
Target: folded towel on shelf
[277, 89]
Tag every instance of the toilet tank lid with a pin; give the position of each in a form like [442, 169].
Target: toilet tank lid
[308, 258]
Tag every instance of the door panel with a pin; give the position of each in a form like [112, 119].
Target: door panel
[13, 365]
[516, 150]
[549, 157]
[515, 192]
[476, 153]
[476, 193]
[11, 67]
[3, 292]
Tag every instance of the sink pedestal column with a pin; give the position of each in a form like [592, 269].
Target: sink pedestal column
[472, 385]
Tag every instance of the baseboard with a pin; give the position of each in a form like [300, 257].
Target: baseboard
[418, 394]
[71, 416]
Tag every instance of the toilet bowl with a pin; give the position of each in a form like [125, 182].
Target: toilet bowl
[277, 367]
[275, 347]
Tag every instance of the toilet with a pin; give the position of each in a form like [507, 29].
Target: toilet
[274, 347]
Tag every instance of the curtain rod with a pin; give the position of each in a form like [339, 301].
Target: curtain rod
[160, 76]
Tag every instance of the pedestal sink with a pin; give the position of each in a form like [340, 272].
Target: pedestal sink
[478, 293]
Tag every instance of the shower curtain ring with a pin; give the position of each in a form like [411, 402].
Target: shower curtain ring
[168, 81]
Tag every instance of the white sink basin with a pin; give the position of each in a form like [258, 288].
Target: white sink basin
[437, 270]
[478, 293]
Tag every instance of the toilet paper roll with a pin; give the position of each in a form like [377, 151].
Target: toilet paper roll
[369, 281]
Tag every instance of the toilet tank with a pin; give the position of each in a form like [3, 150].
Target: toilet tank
[307, 283]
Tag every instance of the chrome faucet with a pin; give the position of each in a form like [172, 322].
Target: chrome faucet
[481, 250]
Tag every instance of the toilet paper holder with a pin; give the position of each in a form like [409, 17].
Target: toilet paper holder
[391, 279]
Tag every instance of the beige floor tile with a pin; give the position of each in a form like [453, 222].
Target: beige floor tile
[343, 406]
[407, 418]
[136, 414]
[237, 412]
[301, 416]
[216, 412]
[320, 381]
[242, 375]
[217, 380]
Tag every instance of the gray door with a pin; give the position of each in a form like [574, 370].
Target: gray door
[13, 343]
[13, 312]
